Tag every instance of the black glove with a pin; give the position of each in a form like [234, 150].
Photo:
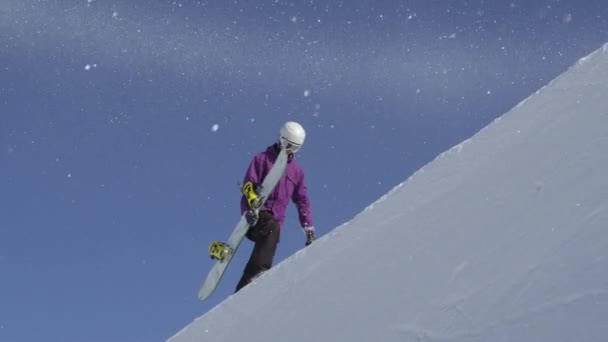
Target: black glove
[310, 236]
[252, 217]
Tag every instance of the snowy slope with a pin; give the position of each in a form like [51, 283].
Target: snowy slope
[502, 238]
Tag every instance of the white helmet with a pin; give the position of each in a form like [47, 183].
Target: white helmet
[292, 136]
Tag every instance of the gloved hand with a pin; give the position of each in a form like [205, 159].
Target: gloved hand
[310, 236]
[252, 217]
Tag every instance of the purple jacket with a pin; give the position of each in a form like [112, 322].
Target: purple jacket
[290, 187]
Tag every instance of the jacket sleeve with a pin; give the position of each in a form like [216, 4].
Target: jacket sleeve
[300, 199]
[253, 174]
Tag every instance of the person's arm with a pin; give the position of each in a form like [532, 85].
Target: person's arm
[300, 199]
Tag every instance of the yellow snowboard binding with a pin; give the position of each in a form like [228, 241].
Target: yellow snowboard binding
[251, 196]
[219, 250]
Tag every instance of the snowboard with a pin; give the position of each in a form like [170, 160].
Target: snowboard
[222, 252]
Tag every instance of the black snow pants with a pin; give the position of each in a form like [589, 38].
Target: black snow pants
[265, 234]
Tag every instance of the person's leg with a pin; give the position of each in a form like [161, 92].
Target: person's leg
[263, 251]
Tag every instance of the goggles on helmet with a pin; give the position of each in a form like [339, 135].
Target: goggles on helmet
[289, 145]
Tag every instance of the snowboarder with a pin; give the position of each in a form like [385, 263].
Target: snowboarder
[265, 227]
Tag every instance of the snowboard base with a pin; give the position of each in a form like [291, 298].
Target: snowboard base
[222, 252]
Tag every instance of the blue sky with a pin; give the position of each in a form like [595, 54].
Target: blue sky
[125, 127]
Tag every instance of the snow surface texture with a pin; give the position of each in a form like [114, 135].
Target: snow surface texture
[501, 238]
